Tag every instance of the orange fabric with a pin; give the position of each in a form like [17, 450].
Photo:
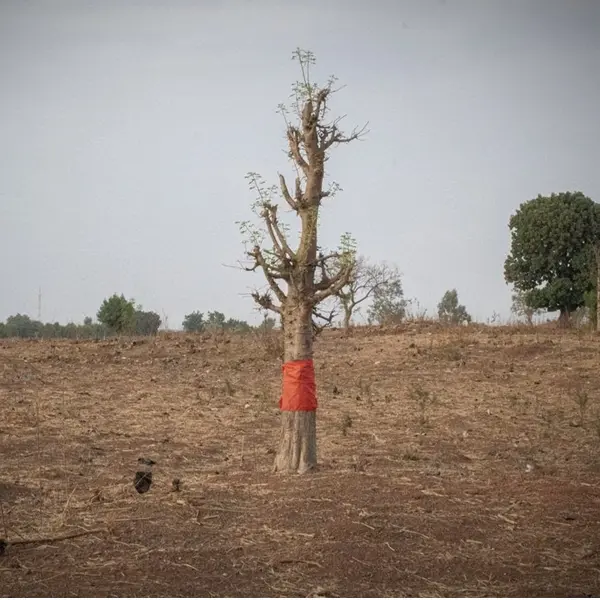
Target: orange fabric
[299, 390]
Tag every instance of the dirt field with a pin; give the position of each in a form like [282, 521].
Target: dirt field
[452, 462]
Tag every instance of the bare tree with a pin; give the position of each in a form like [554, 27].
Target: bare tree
[389, 305]
[299, 276]
[521, 308]
[366, 281]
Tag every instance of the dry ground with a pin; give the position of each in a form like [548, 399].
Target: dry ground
[452, 462]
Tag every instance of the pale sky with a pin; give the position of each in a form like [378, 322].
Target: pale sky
[127, 127]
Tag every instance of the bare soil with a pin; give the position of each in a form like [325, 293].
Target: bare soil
[453, 462]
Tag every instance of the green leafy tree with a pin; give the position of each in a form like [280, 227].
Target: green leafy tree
[52, 330]
[450, 311]
[194, 322]
[552, 251]
[23, 326]
[237, 326]
[146, 322]
[90, 330]
[117, 313]
[592, 298]
[71, 331]
[388, 306]
[215, 321]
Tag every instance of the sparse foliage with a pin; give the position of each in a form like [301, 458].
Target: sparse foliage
[521, 308]
[368, 281]
[414, 310]
[300, 276]
[450, 311]
[388, 306]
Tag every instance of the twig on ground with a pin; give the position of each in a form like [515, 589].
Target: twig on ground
[55, 538]
[64, 512]
[365, 524]
[284, 561]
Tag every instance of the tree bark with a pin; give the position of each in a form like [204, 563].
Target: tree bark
[597, 255]
[347, 317]
[297, 451]
[598, 298]
[564, 319]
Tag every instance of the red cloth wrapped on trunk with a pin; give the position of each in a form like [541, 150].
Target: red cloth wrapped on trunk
[299, 390]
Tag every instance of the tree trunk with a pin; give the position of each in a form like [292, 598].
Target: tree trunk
[347, 317]
[564, 319]
[297, 451]
[597, 253]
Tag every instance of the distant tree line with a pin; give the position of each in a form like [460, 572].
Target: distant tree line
[23, 326]
[379, 286]
[119, 316]
[196, 322]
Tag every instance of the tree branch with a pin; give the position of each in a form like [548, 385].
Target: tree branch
[321, 104]
[321, 263]
[286, 193]
[269, 214]
[271, 231]
[274, 272]
[365, 297]
[298, 194]
[266, 302]
[336, 283]
[323, 258]
[270, 274]
[294, 137]
[328, 320]
[332, 135]
[51, 539]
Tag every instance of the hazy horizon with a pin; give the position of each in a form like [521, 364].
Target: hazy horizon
[126, 130]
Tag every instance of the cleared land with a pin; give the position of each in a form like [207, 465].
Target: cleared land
[452, 462]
